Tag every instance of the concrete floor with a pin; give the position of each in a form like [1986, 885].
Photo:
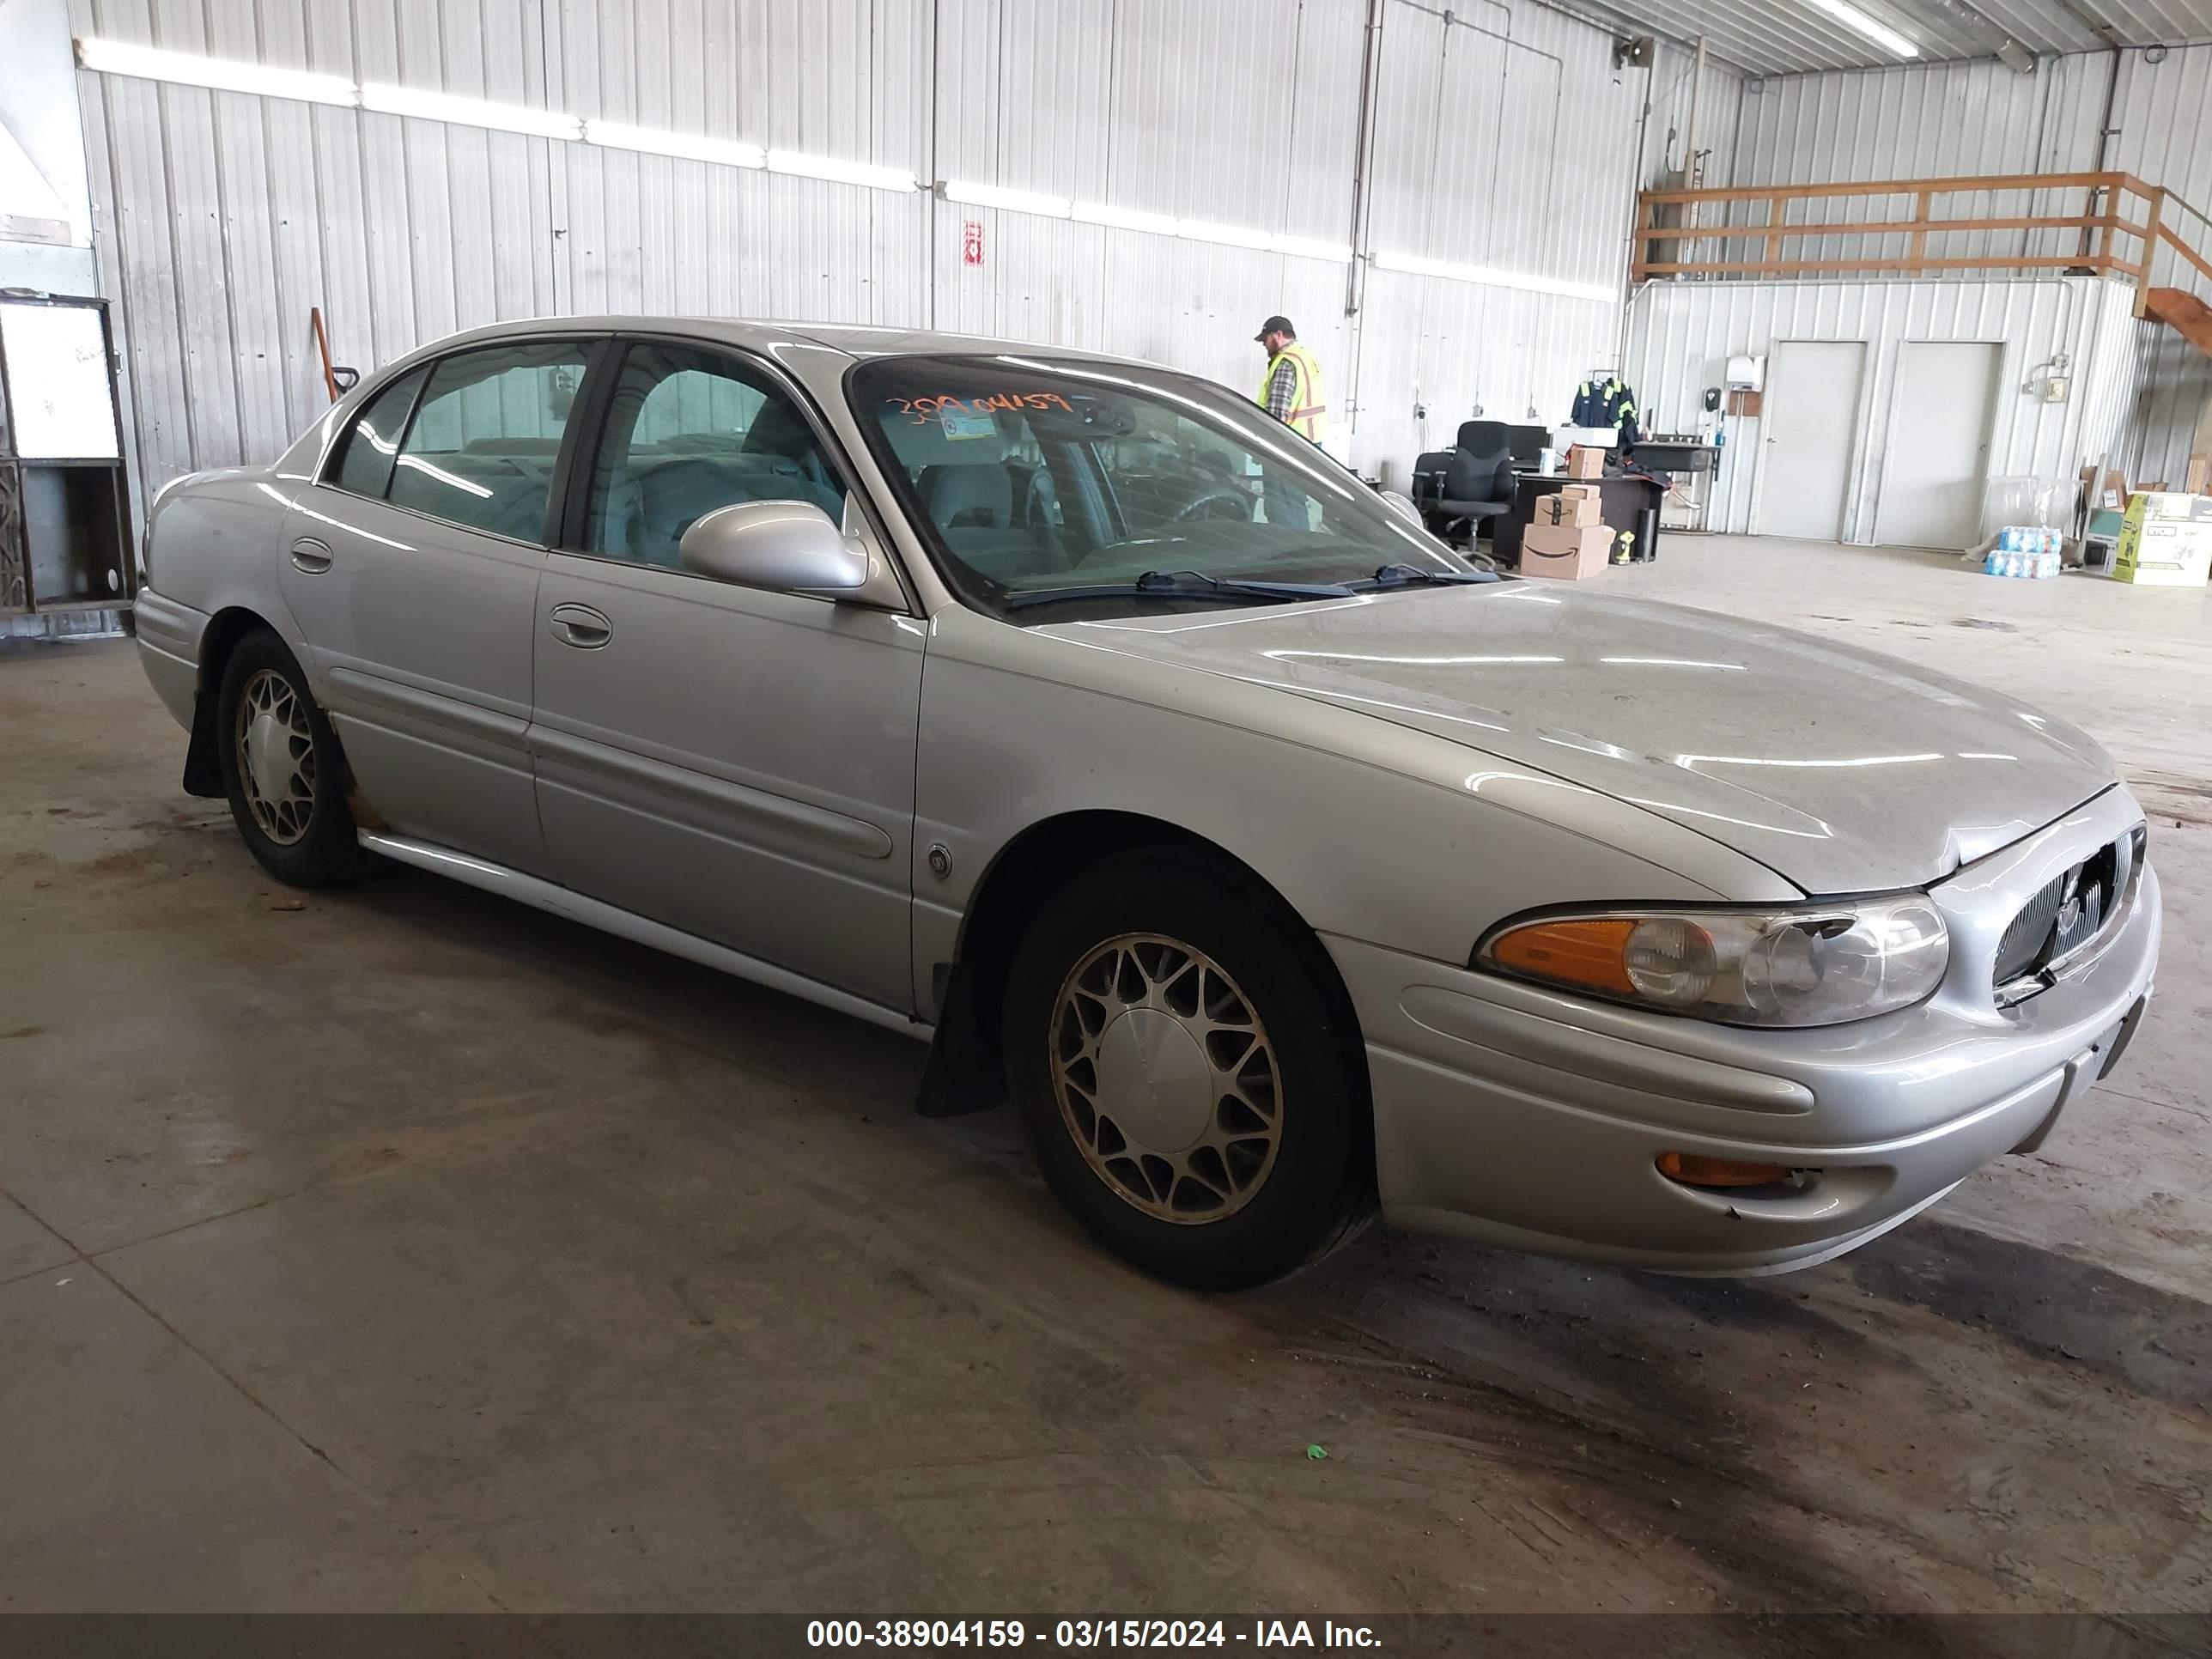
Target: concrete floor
[407, 1249]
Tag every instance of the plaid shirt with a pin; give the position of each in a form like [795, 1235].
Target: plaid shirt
[1283, 389]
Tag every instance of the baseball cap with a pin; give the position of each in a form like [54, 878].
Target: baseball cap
[1275, 325]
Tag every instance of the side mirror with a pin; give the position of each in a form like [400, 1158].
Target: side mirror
[784, 546]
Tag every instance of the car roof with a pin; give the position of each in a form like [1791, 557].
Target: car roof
[855, 340]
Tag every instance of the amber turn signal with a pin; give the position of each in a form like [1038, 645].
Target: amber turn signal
[1691, 1170]
[1592, 952]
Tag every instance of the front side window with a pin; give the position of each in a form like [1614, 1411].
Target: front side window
[485, 441]
[689, 431]
[1031, 477]
[365, 468]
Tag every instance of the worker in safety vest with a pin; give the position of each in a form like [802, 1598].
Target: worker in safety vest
[1291, 390]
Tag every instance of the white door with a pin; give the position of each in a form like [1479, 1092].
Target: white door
[1938, 443]
[1811, 415]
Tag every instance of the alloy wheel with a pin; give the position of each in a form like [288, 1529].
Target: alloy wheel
[1166, 1078]
[275, 757]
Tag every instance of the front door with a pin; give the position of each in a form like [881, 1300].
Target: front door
[413, 568]
[735, 763]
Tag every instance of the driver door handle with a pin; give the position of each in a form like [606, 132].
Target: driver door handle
[311, 556]
[580, 626]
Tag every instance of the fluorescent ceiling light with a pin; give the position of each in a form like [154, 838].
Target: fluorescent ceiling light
[999, 195]
[387, 99]
[1419, 265]
[1305, 248]
[1881, 33]
[1121, 218]
[841, 172]
[1201, 230]
[684, 146]
[223, 74]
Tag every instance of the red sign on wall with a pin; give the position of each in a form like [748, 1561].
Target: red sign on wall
[972, 242]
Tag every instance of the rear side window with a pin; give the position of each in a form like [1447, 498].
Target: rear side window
[485, 441]
[365, 469]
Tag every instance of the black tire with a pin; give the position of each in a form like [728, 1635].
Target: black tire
[1318, 1190]
[325, 852]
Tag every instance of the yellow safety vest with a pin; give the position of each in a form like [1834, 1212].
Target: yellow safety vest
[1309, 406]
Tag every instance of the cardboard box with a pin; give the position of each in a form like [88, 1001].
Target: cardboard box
[2199, 475]
[2166, 541]
[1577, 512]
[1584, 462]
[1565, 551]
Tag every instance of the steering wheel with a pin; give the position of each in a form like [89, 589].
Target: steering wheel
[1222, 501]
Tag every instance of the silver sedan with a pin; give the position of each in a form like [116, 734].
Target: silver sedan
[1280, 864]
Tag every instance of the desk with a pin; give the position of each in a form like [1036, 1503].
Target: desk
[1630, 504]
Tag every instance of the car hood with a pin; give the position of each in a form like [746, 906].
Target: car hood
[1843, 769]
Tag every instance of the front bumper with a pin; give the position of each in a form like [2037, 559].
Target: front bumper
[1517, 1115]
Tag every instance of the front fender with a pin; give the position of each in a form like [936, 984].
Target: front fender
[1369, 829]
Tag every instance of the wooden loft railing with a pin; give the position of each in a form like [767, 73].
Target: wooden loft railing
[2110, 238]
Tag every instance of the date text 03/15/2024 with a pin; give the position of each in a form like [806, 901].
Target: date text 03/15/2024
[937, 1633]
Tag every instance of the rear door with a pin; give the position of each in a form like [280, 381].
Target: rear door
[735, 763]
[413, 568]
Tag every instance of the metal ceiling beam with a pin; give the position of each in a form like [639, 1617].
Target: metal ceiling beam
[2097, 26]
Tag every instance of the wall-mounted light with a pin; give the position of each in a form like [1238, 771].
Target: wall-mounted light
[385, 99]
[1306, 248]
[1205, 230]
[1419, 264]
[1121, 218]
[838, 171]
[187, 69]
[1013, 201]
[684, 146]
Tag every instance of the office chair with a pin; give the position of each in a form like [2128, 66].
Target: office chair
[1469, 484]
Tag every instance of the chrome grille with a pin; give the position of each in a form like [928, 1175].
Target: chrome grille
[2066, 914]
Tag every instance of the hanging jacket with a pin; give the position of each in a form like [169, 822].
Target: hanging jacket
[1607, 402]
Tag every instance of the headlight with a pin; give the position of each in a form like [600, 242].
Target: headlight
[1814, 965]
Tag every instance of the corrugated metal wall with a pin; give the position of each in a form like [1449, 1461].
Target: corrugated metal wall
[1983, 118]
[1682, 334]
[1504, 138]
[2164, 114]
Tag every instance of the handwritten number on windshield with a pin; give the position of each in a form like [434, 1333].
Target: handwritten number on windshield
[921, 411]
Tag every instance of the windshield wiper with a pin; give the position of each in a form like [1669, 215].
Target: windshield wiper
[1183, 585]
[1408, 575]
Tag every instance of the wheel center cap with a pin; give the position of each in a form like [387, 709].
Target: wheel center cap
[1154, 1081]
[269, 751]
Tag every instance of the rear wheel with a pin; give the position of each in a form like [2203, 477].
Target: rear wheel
[282, 769]
[1189, 1075]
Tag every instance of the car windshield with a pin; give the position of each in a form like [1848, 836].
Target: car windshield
[1121, 489]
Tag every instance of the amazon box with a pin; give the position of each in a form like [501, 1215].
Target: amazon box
[1585, 462]
[1567, 552]
[1576, 512]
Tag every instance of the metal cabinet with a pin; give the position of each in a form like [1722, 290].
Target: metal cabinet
[65, 542]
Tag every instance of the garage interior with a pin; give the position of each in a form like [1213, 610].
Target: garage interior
[404, 1249]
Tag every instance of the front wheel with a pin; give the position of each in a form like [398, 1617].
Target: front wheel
[1188, 1074]
[283, 771]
